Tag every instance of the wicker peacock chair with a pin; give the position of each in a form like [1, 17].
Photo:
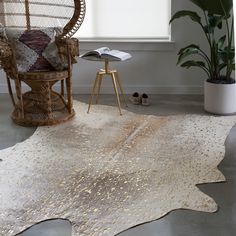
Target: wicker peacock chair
[36, 48]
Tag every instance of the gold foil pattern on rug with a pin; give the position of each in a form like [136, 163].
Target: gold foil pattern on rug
[106, 173]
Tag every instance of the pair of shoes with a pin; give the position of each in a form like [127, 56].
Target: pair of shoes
[137, 100]
[145, 100]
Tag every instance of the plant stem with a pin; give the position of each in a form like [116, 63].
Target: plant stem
[205, 55]
[209, 39]
[208, 62]
[208, 74]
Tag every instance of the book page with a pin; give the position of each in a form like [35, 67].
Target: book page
[96, 53]
[102, 50]
[116, 55]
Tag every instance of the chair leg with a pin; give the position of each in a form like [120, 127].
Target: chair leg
[20, 105]
[69, 94]
[93, 91]
[62, 88]
[116, 90]
[10, 91]
[121, 88]
[48, 100]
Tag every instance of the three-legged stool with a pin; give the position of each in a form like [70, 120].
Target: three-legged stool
[116, 84]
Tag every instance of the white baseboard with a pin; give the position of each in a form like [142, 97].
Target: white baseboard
[143, 89]
[86, 89]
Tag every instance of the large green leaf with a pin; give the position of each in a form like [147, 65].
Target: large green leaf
[189, 64]
[226, 55]
[183, 50]
[187, 51]
[217, 7]
[193, 15]
[215, 21]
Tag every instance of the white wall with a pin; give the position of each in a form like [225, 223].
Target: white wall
[150, 71]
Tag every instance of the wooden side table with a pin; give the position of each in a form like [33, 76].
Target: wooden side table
[116, 84]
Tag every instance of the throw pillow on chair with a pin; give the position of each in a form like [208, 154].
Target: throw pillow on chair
[28, 46]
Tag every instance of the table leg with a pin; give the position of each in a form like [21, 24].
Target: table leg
[93, 91]
[116, 90]
[99, 87]
[121, 88]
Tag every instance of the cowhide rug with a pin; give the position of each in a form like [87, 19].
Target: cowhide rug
[107, 173]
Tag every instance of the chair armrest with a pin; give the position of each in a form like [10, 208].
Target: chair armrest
[5, 50]
[6, 54]
[73, 44]
[64, 45]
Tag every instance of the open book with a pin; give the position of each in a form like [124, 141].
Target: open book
[106, 53]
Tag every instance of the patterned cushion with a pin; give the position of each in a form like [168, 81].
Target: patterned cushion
[29, 46]
[51, 53]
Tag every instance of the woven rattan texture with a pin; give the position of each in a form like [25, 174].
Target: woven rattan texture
[67, 14]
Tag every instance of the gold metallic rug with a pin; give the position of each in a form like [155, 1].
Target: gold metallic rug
[107, 173]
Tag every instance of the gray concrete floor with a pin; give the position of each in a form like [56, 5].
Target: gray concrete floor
[176, 223]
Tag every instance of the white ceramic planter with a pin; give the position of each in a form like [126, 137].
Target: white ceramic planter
[220, 98]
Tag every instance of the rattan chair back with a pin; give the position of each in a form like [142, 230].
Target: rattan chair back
[33, 14]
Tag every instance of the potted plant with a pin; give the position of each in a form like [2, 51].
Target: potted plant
[218, 62]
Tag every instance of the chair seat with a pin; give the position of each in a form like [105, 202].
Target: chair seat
[42, 105]
[42, 75]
